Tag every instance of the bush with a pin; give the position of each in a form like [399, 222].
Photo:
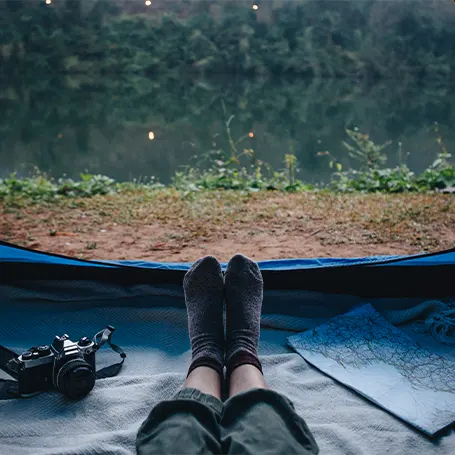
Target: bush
[397, 180]
[228, 174]
[41, 189]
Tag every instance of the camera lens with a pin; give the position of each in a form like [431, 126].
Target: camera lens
[75, 379]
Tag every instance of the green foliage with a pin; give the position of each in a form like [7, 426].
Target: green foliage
[438, 176]
[89, 185]
[397, 180]
[335, 38]
[41, 189]
[38, 189]
[217, 170]
[230, 174]
[364, 150]
[220, 170]
[290, 161]
[224, 175]
[441, 173]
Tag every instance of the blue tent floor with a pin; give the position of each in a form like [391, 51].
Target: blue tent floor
[156, 340]
[43, 295]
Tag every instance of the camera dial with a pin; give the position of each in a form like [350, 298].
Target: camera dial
[27, 355]
[84, 341]
[43, 350]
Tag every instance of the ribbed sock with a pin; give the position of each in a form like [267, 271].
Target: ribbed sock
[244, 292]
[203, 286]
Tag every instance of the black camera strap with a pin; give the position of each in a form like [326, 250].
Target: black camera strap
[10, 388]
[105, 336]
[5, 356]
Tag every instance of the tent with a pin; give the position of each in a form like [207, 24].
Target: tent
[42, 295]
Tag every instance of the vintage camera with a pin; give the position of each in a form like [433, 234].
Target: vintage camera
[64, 365]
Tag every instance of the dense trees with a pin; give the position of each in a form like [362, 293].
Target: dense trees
[367, 39]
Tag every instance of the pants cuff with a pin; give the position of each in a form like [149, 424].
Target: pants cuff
[194, 394]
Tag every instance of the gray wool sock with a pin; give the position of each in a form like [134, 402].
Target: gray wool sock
[203, 286]
[244, 292]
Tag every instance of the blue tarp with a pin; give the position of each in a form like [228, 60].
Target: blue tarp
[11, 253]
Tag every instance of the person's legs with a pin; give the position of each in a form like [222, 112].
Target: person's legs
[244, 378]
[205, 379]
[263, 421]
[254, 419]
[189, 423]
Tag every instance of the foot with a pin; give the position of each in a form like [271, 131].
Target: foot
[204, 296]
[244, 292]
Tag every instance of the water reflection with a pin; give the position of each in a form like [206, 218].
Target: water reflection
[66, 126]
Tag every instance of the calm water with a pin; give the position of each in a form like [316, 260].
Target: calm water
[142, 127]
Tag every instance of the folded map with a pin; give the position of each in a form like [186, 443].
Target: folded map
[363, 351]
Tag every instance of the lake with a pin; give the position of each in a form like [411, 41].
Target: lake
[137, 127]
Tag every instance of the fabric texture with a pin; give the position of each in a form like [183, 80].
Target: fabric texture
[256, 421]
[244, 294]
[203, 286]
[151, 326]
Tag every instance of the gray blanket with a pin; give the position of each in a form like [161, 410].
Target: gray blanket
[156, 341]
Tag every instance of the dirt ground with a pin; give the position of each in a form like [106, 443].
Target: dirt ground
[174, 226]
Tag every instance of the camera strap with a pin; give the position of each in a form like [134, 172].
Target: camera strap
[10, 389]
[105, 336]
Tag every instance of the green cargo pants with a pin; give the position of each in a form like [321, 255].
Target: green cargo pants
[255, 422]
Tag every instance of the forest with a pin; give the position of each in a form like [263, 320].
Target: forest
[370, 39]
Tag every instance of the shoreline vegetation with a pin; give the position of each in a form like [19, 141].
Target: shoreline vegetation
[236, 203]
[239, 169]
[23, 191]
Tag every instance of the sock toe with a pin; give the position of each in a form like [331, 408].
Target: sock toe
[240, 265]
[206, 266]
[238, 262]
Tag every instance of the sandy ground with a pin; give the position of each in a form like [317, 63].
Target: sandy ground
[171, 226]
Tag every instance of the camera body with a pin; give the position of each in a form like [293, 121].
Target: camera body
[64, 365]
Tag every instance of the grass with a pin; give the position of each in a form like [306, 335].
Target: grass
[170, 221]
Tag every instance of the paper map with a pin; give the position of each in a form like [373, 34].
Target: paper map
[363, 351]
